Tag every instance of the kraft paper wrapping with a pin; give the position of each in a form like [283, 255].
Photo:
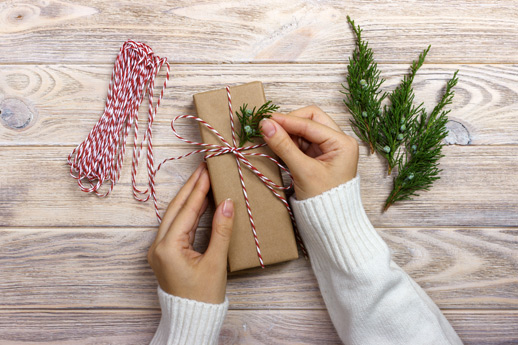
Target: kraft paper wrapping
[273, 223]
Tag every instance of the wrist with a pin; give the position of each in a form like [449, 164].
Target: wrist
[211, 289]
[316, 187]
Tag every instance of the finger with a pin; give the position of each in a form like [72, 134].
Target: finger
[314, 113]
[300, 142]
[282, 144]
[222, 224]
[326, 138]
[310, 130]
[179, 200]
[192, 233]
[303, 144]
[190, 211]
[313, 151]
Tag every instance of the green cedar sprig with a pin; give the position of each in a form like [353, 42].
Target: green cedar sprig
[398, 115]
[419, 167]
[403, 132]
[250, 118]
[363, 95]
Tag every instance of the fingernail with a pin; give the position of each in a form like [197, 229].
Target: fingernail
[268, 128]
[228, 208]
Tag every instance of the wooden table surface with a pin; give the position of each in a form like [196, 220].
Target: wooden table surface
[73, 267]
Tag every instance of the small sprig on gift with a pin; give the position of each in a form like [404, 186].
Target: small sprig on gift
[250, 118]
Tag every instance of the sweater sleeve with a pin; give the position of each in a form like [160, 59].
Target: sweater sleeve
[370, 299]
[186, 321]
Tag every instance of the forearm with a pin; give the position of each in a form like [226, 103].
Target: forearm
[369, 298]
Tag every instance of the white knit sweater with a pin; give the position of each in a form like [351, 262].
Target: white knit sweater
[370, 299]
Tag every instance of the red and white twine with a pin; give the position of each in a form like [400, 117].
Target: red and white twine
[99, 158]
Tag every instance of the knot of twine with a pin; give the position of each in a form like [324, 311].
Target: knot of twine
[99, 158]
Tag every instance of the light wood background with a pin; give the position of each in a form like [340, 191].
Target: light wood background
[73, 267]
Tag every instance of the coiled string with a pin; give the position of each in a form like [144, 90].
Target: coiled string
[98, 159]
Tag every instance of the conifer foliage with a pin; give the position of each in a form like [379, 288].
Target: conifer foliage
[402, 132]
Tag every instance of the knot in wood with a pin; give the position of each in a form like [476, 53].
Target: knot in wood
[15, 114]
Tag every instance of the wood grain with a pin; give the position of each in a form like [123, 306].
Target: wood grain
[246, 31]
[107, 268]
[136, 327]
[59, 104]
[73, 267]
[477, 188]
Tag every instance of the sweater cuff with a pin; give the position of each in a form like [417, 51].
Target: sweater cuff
[185, 321]
[336, 229]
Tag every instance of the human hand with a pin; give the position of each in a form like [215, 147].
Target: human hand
[180, 270]
[319, 155]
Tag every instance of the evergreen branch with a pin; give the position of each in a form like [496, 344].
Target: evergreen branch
[249, 120]
[402, 132]
[399, 116]
[363, 95]
[419, 168]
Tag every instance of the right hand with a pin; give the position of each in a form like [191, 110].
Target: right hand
[319, 155]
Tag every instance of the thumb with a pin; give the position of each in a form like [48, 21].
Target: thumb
[222, 224]
[281, 143]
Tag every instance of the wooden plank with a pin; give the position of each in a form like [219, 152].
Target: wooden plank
[107, 268]
[59, 104]
[477, 188]
[130, 327]
[247, 31]
[89, 283]
[499, 329]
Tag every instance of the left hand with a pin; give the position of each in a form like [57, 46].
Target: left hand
[180, 270]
